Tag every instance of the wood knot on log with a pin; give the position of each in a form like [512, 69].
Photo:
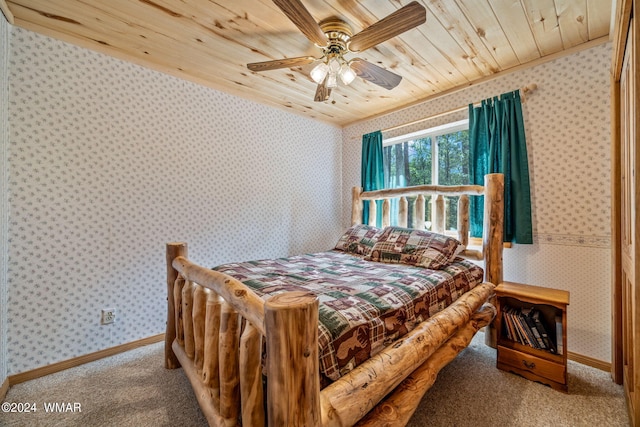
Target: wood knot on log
[292, 300]
[240, 293]
[386, 411]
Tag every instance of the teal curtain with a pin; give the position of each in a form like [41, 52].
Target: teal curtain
[497, 144]
[372, 171]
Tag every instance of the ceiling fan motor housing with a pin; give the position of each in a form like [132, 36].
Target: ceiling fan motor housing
[338, 35]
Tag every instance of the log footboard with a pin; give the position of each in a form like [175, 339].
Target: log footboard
[219, 326]
[215, 329]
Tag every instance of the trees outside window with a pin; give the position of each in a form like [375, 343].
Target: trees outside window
[433, 156]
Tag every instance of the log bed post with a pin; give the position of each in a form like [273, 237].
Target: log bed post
[187, 318]
[403, 212]
[356, 206]
[492, 236]
[373, 213]
[386, 213]
[199, 322]
[228, 350]
[419, 216]
[492, 240]
[440, 216]
[463, 219]
[211, 362]
[173, 250]
[293, 382]
[251, 391]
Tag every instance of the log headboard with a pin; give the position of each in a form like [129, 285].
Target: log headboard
[492, 234]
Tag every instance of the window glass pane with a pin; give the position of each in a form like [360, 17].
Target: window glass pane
[453, 158]
[420, 161]
[453, 169]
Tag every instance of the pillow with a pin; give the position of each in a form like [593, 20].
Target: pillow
[358, 239]
[415, 247]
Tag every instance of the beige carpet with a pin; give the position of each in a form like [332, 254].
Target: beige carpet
[133, 389]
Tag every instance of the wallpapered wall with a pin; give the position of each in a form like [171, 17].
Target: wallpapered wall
[4, 138]
[109, 161]
[567, 124]
[95, 146]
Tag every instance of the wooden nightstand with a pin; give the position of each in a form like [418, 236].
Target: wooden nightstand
[532, 332]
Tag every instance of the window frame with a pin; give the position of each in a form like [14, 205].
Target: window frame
[432, 133]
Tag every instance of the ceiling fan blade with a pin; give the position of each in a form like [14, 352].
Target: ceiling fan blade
[322, 91]
[398, 22]
[281, 63]
[300, 16]
[375, 74]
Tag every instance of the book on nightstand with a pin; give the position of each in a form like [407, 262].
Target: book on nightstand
[548, 342]
[559, 339]
[524, 326]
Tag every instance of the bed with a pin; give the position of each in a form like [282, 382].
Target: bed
[355, 335]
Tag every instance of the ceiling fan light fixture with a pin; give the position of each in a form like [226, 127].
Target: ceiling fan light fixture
[347, 75]
[334, 65]
[332, 81]
[319, 72]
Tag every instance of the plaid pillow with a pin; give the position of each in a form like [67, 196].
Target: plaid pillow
[358, 239]
[415, 247]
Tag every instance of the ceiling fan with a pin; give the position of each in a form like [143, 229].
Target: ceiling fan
[335, 38]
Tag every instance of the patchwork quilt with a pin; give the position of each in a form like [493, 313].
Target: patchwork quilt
[364, 305]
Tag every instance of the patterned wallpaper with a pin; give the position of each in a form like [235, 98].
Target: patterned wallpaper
[109, 161]
[4, 138]
[567, 122]
[96, 145]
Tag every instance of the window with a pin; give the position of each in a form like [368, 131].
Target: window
[439, 155]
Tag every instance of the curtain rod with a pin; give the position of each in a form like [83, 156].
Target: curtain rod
[524, 90]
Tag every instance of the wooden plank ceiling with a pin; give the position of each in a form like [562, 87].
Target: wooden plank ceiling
[211, 41]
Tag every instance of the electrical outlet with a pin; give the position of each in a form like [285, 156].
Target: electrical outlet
[108, 316]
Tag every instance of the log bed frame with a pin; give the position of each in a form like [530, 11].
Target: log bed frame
[216, 327]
